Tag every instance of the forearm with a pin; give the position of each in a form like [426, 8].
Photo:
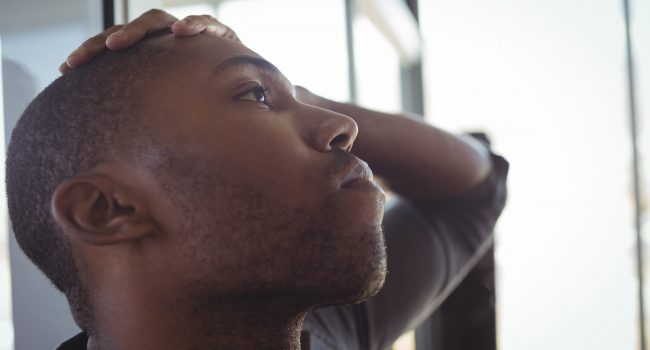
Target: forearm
[415, 159]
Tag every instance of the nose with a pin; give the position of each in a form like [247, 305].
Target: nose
[331, 130]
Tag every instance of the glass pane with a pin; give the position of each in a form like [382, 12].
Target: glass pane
[377, 65]
[545, 79]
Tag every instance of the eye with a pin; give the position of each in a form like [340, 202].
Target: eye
[257, 94]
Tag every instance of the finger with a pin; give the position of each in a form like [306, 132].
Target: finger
[223, 31]
[134, 31]
[64, 68]
[193, 25]
[88, 49]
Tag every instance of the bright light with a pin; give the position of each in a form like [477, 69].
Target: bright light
[545, 78]
[304, 39]
[183, 11]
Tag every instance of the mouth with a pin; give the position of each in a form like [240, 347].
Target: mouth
[360, 177]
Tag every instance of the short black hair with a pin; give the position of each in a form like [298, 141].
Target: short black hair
[76, 122]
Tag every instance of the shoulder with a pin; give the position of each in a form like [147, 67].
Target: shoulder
[78, 342]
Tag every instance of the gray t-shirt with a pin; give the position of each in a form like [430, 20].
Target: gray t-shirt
[431, 246]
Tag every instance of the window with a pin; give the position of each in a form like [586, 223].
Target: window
[546, 80]
[314, 28]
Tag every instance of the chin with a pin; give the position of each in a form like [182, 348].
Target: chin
[358, 271]
[364, 289]
[339, 255]
[370, 278]
[369, 287]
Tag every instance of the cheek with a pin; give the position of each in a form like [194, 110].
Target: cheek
[281, 166]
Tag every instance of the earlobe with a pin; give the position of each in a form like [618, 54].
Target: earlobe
[97, 210]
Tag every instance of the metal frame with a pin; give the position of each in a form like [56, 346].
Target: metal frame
[349, 35]
[412, 84]
[636, 173]
[108, 13]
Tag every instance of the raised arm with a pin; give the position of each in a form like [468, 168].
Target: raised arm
[450, 189]
[417, 161]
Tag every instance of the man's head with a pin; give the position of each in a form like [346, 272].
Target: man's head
[187, 165]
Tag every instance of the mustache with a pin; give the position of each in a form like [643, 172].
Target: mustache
[342, 160]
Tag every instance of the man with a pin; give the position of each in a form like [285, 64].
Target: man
[183, 194]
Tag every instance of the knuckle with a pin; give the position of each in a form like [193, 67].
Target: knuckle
[138, 31]
[157, 16]
[231, 33]
[86, 44]
[155, 12]
[128, 26]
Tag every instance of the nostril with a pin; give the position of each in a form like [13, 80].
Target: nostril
[330, 131]
[340, 141]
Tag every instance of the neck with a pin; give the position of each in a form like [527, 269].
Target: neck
[127, 321]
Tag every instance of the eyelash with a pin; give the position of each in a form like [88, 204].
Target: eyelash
[257, 89]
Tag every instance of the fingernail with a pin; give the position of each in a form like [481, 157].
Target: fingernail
[198, 27]
[183, 22]
[71, 57]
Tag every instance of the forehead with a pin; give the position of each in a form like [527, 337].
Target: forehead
[203, 50]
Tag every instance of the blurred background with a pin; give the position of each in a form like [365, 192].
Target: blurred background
[547, 80]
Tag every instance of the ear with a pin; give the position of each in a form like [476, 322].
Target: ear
[96, 209]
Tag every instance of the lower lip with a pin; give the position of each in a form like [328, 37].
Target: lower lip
[362, 185]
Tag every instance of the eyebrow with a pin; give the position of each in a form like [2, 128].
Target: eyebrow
[246, 60]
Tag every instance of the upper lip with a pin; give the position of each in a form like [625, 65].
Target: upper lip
[358, 171]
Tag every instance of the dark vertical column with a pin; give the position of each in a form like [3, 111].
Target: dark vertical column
[427, 335]
[467, 319]
[108, 13]
[412, 86]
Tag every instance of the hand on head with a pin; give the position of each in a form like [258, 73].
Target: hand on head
[122, 36]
